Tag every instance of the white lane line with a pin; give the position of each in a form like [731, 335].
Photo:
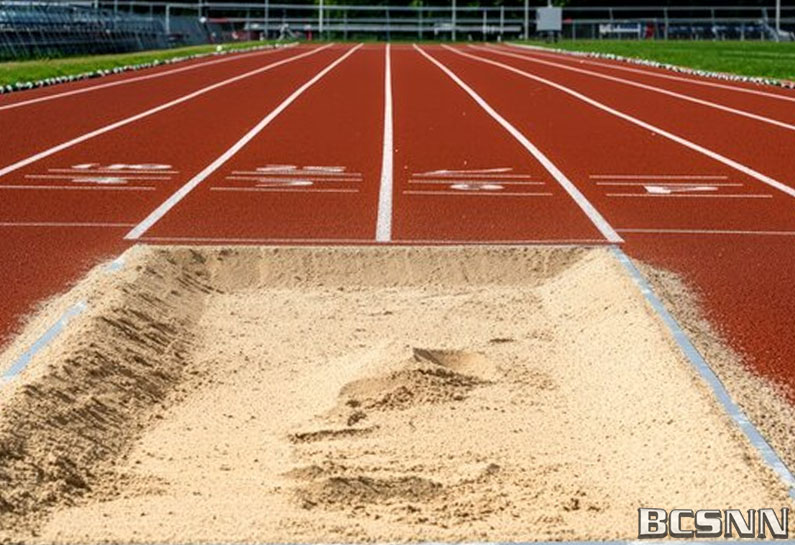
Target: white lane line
[477, 193]
[509, 242]
[707, 232]
[648, 126]
[369, 242]
[596, 218]
[692, 195]
[452, 181]
[256, 240]
[284, 189]
[131, 80]
[671, 184]
[657, 177]
[639, 85]
[383, 225]
[60, 224]
[83, 187]
[180, 194]
[21, 363]
[664, 76]
[151, 111]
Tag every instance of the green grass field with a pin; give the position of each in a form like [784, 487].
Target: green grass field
[765, 59]
[31, 70]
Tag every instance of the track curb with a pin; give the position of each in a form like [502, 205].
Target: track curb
[100, 73]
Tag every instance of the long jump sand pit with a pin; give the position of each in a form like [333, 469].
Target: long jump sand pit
[398, 394]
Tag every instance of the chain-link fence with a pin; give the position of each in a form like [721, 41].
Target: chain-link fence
[49, 29]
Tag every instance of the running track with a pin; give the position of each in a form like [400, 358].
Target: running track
[432, 145]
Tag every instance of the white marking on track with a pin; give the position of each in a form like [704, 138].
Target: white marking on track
[274, 182]
[114, 171]
[674, 94]
[471, 193]
[180, 194]
[285, 189]
[585, 205]
[563, 242]
[383, 225]
[475, 186]
[669, 189]
[468, 175]
[94, 178]
[128, 80]
[471, 171]
[664, 76]
[83, 187]
[257, 240]
[658, 176]
[295, 170]
[119, 167]
[61, 224]
[475, 181]
[694, 195]
[157, 109]
[648, 126]
[708, 232]
[323, 179]
[667, 184]
[325, 169]
[369, 241]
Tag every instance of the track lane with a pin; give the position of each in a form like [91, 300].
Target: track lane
[742, 286]
[312, 175]
[29, 97]
[614, 161]
[730, 271]
[184, 139]
[27, 130]
[449, 187]
[763, 109]
[758, 145]
[37, 265]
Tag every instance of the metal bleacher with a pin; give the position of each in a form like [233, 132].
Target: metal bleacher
[53, 29]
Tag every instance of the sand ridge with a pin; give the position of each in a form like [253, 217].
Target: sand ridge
[437, 394]
[67, 419]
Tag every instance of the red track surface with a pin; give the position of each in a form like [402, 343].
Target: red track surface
[314, 173]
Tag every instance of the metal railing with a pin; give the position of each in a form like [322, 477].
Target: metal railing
[58, 28]
[247, 20]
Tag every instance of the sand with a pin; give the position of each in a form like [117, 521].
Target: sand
[362, 395]
[765, 402]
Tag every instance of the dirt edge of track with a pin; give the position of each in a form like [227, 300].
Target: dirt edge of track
[764, 402]
[395, 438]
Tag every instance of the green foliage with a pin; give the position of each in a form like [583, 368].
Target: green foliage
[20, 71]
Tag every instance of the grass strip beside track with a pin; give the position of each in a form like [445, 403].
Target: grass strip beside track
[762, 59]
[39, 69]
